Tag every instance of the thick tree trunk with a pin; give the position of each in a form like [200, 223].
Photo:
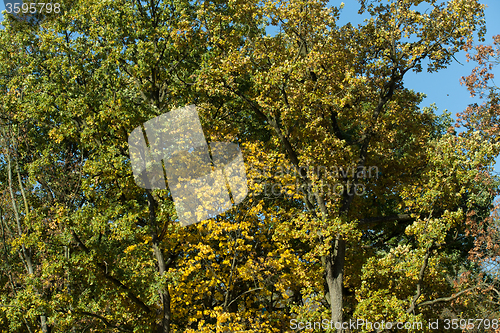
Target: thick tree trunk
[164, 327]
[334, 274]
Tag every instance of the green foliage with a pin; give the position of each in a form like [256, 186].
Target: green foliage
[83, 248]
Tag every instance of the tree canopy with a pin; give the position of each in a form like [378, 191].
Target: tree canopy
[362, 205]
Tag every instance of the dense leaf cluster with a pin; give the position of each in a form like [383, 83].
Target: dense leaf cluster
[84, 249]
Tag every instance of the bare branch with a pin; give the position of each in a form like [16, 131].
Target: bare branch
[445, 299]
[420, 280]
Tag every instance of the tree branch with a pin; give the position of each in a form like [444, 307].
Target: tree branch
[445, 299]
[105, 321]
[378, 219]
[114, 280]
[420, 280]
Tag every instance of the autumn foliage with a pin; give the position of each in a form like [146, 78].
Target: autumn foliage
[362, 204]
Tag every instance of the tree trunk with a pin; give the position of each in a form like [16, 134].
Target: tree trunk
[164, 325]
[26, 252]
[334, 274]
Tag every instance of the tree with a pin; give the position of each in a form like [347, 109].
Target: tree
[480, 81]
[357, 198]
[71, 86]
[482, 121]
[335, 97]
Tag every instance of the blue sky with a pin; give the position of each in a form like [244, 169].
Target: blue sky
[443, 87]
